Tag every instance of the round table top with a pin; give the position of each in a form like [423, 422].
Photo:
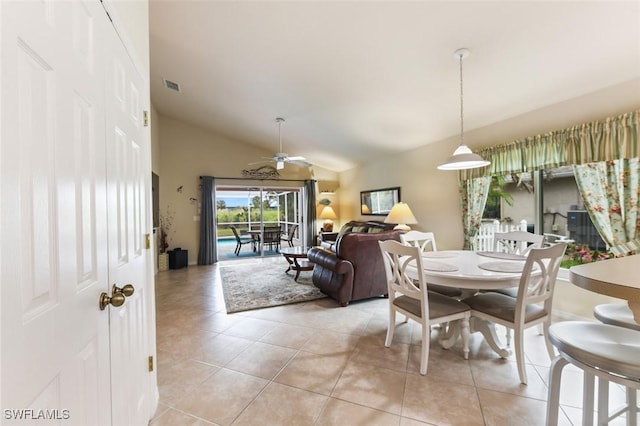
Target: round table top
[295, 251]
[471, 270]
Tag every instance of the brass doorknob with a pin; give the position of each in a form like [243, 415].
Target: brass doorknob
[127, 290]
[116, 300]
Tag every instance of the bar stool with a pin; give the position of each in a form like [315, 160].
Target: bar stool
[605, 351]
[620, 315]
[616, 314]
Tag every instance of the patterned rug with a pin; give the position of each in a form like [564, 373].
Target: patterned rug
[264, 284]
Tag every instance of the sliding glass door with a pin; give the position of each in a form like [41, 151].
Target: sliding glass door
[256, 221]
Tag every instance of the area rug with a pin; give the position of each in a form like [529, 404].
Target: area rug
[258, 285]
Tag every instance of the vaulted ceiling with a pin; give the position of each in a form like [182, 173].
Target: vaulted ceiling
[355, 80]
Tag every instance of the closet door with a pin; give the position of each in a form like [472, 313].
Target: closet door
[55, 339]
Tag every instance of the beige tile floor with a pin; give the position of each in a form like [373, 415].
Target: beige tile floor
[316, 363]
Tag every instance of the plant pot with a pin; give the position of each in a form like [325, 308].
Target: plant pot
[163, 262]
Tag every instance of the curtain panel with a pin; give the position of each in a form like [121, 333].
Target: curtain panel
[604, 140]
[610, 190]
[310, 228]
[207, 250]
[473, 197]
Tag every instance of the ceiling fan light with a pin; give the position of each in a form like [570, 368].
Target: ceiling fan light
[279, 165]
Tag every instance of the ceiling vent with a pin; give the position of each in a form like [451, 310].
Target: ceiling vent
[171, 85]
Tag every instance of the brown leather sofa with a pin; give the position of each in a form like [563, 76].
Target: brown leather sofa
[355, 270]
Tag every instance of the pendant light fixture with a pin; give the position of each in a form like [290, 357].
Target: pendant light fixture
[463, 157]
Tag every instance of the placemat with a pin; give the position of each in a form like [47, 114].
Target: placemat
[439, 254]
[502, 266]
[500, 255]
[431, 265]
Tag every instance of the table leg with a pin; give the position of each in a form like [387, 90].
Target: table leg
[297, 268]
[488, 331]
[291, 265]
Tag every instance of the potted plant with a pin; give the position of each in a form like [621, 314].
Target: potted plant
[166, 220]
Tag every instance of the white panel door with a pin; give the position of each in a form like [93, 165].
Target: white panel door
[55, 340]
[129, 218]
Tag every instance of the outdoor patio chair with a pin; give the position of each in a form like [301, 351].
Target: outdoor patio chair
[240, 241]
[271, 236]
[288, 237]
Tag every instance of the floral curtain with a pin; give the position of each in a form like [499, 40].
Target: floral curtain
[607, 139]
[473, 195]
[610, 191]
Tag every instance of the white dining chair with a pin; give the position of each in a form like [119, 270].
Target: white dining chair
[426, 242]
[516, 242]
[409, 296]
[530, 307]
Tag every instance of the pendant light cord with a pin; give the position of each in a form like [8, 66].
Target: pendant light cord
[461, 105]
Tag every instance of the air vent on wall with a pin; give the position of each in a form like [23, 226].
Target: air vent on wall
[171, 85]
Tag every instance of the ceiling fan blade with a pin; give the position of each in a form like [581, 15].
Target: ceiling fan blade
[266, 160]
[299, 163]
[296, 158]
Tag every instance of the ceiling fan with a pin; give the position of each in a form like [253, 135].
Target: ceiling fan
[282, 157]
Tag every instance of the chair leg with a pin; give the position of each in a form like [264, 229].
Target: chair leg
[519, 348]
[632, 403]
[424, 355]
[545, 332]
[603, 401]
[587, 399]
[553, 399]
[391, 327]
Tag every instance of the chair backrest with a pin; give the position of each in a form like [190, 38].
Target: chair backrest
[271, 235]
[539, 288]
[397, 258]
[235, 233]
[422, 240]
[516, 242]
[292, 230]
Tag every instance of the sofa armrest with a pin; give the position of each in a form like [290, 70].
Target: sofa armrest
[332, 275]
[328, 259]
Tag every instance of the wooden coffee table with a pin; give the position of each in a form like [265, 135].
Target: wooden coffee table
[297, 258]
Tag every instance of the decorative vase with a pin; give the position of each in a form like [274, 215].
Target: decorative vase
[163, 262]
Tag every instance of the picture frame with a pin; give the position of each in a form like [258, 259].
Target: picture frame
[378, 202]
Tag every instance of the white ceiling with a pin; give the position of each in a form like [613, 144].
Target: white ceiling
[356, 80]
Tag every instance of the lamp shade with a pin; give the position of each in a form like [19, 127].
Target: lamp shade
[402, 215]
[328, 213]
[463, 158]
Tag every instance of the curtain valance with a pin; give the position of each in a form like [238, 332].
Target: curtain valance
[603, 140]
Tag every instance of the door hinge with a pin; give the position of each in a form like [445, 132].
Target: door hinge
[150, 363]
[145, 118]
[147, 241]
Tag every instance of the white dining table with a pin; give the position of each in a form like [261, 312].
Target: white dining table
[618, 277]
[474, 271]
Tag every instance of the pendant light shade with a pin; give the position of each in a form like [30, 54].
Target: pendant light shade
[463, 157]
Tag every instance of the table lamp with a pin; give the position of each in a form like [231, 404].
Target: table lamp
[327, 214]
[402, 215]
